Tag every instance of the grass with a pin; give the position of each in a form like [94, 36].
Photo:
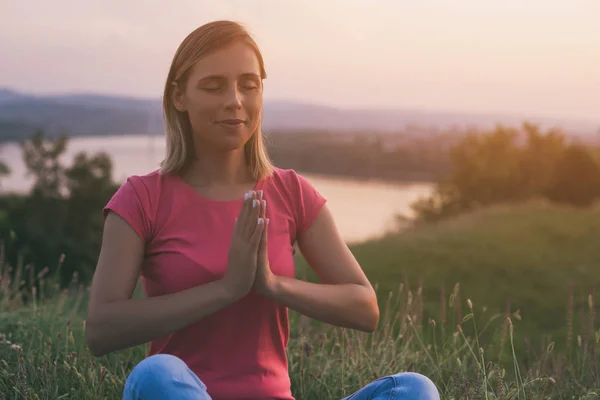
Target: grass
[537, 260]
[462, 336]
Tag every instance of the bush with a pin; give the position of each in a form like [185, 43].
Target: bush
[576, 179]
[507, 165]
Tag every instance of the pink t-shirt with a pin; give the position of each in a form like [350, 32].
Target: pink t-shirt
[239, 352]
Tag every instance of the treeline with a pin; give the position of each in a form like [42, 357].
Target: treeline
[509, 165]
[396, 157]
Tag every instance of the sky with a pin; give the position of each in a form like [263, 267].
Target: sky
[507, 56]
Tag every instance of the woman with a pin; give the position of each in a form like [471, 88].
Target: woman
[212, 234]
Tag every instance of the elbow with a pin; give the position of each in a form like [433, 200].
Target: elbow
[373, 320]
[93, 342]
[95, 348]
[95, 351]
[370, 319]
[93, 345]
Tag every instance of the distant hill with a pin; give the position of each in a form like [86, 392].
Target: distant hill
[91, 115]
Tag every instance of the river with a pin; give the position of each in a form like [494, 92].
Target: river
[363, 209]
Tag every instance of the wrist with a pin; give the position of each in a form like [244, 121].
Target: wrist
[231, 290]
[274, 289]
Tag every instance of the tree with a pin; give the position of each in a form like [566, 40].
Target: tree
[4, 170]
[42, 160]
[90, 186]
[89, 176]
[62, 214]
[576, 179]
[510, 165]
[538, 159]
[485, 167]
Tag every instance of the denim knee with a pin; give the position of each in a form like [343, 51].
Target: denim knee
[161, 373]
[413, 385]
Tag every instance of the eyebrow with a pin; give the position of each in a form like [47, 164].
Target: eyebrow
[244, 75]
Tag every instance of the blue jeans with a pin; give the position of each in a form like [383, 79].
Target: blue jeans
[166, 377]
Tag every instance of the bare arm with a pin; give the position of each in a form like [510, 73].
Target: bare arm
[115, 321]
[345, 296]
[346, 305]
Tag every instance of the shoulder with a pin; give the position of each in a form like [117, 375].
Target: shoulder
[289, 184]
[298, 192]
[289, 179]
[148, 186]
[137, 200]
[151, 182]
[142, 189]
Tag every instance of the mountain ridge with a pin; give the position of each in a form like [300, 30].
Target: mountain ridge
[92, 114]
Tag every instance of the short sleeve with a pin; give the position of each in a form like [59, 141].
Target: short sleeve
[132, 202]
[309, 203]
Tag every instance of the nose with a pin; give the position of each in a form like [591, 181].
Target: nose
[233, 98]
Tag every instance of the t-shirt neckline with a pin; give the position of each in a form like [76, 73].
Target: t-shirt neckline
[201, 197]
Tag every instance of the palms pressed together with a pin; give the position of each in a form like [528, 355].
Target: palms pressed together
[265, 279]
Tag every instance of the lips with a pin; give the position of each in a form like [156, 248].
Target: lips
[232, 122]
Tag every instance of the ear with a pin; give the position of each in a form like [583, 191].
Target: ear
[178, 97]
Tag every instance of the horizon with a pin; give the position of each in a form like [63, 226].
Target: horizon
[506, 58]
[443, 111]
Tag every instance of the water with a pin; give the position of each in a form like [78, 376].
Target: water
[362, 209]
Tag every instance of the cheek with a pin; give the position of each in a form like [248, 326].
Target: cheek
[253, 105]
[202, 109]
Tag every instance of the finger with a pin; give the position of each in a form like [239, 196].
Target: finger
[262, 204]
[256, 235]
[262, 247]
[243, 209]
[246, 224]
[266, 231]
[254, 215]
[263, 215]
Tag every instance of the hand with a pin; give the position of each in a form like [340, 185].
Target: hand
[265, 279]
[243, 250]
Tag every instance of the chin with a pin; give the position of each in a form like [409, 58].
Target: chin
[226, 140]
[231, 143]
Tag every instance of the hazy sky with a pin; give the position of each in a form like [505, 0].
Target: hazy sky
[524, 56]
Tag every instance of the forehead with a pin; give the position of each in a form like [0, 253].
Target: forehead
[230, 61]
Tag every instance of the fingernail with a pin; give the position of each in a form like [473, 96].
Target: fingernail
[254, 203]
[247, 196]
[260, 194]
[267, 221]
[260, 221]
[264, 203]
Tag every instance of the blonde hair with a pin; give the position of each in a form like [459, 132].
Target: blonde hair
[205, 39]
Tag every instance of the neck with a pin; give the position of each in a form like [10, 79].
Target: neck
[218, 168]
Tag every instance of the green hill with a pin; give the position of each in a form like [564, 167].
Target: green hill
[526, 254]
